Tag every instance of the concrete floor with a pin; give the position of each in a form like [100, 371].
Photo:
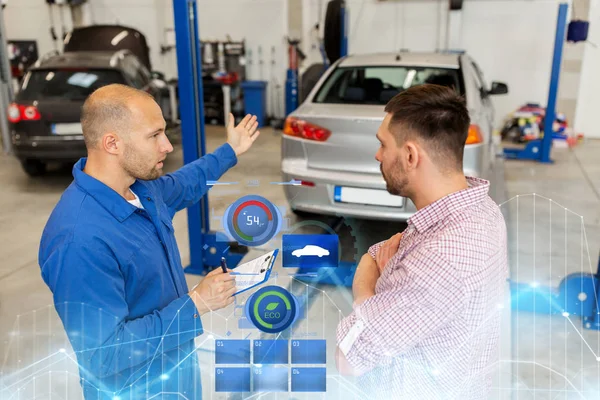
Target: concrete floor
[553, 221]
[542, 357]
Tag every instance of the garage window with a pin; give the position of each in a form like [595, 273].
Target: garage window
[377, 85]
[73, 84]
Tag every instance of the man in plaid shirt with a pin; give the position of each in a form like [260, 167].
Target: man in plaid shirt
[426, 313]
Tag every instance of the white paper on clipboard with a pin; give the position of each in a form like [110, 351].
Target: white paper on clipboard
[253, 273]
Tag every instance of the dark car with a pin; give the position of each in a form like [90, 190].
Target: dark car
[45, 116]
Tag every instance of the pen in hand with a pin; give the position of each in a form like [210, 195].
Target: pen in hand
[224, 265]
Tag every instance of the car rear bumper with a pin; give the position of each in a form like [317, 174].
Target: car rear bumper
[319, 199]
[49, 148]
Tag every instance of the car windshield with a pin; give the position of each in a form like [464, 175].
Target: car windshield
[72, 84]
[377, 85]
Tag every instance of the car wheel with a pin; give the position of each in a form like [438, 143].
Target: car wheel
[513, 135]
[332, 37]
[34, 167]
[456, 4]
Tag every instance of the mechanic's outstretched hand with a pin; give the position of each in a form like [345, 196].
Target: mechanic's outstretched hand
[241, 137]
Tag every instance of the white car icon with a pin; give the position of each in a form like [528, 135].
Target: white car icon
[311, 250]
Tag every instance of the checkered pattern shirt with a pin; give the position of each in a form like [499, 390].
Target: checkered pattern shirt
[432, 329]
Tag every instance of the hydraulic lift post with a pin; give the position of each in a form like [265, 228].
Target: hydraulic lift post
[206, 249]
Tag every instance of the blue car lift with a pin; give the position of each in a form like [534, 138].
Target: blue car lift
[577, 293]
[291, 81]
[539, 149]
[205, 249]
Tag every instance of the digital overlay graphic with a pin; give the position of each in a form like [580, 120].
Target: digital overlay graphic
[252, 220]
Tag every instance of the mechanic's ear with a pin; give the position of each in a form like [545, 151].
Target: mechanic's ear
[110, 143]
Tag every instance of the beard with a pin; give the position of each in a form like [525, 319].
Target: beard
[396, 181]
[137, 165]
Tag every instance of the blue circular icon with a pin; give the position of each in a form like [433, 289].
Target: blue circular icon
[252, 220]
[272, 309]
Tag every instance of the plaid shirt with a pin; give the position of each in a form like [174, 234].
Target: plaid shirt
[432, 329]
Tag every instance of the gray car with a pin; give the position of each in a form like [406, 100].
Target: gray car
[329, 143]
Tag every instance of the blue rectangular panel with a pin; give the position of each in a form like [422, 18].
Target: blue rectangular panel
[232, 379]
[310, 251]
[232, 352]
[309, 352]
[270, 351]
[270, 379]
[309, 379]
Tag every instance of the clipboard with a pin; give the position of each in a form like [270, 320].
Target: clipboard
[254, 272]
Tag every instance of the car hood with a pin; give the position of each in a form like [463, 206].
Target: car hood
[109, 38]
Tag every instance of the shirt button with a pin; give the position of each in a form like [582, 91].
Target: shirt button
[195, 315]
[148, 198]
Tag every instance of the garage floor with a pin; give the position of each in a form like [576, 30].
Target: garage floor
[553, 218]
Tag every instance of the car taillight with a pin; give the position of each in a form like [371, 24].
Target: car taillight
[302, 129]
[17, 112]
[31, 113]
[304, 183]
[474, 136]
[14, 113]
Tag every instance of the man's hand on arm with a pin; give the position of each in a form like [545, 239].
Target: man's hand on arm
[369, 269]
[241, 137]
[365, 279]
[387, 251]
[214, 292]
[399, 318]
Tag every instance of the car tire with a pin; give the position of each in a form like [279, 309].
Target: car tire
[456, 5]
[513, 134]
[34, 167]
[332, 37]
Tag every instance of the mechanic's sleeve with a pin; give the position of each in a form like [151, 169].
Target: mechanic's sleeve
[89, 296]
[187, 185]
[390, 323]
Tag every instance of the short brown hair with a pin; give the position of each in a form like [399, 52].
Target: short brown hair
[437, 115]
[107, 109]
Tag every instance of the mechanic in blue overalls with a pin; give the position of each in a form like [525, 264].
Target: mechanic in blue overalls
[108, 252]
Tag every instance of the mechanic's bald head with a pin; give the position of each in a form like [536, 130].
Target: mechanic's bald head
[109, 109]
